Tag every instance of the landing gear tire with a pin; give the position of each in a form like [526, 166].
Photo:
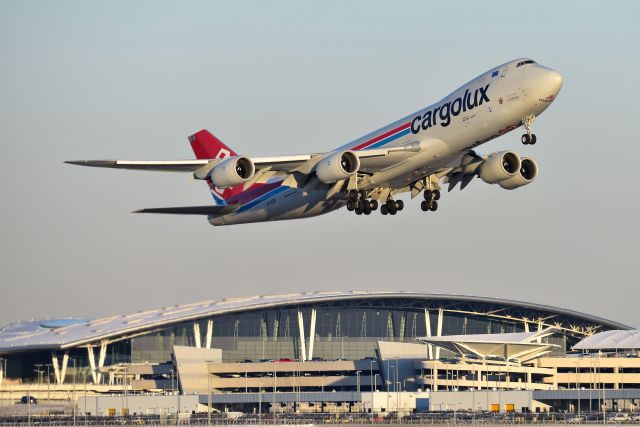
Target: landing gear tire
[427, 195]
[399, 205]
[529, 137]
[434, 206]
[358, 212]
[353, 195]
[361, 204]
[373, 204]
[392, 209]
[351, 205]
[384, 210]
[436, 194]
[367, 209]
[424, 206]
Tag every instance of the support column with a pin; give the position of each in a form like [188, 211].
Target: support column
[312, 333]
[439, 332]
[209, 333]
[196, 335]
[60, 371]
[101, 359]
[539, 339]
[526, 325]
[92, 364]
[303, 346]
[434, 378]
[427, 321]
[65, 363]
[56, 367]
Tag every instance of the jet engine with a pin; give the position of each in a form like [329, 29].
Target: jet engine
[232, 171]
[499, 167]
[337, 166]
[527, 173]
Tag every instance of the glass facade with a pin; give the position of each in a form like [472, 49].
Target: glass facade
[343, 330]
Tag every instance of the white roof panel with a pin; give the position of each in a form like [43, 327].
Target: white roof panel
[611, 340]
[31, 335]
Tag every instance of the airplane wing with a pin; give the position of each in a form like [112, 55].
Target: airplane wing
[192, 210]
[282, 163]
[275, 163]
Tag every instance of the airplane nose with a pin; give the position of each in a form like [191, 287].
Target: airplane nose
[554, 80]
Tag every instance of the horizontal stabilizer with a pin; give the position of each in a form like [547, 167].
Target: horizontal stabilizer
[193, 210]
[152, 165]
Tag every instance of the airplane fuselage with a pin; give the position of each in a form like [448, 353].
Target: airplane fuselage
[435, 137]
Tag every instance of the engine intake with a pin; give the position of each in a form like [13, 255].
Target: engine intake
[337, 166]
[499, 167]
[527, 173]
[232, 171]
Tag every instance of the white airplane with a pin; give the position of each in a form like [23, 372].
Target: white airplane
[415, 154]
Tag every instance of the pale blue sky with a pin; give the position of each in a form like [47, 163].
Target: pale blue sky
[82, 80]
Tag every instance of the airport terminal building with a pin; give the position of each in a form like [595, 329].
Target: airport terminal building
[306, 326]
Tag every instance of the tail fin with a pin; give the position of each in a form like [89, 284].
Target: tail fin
[207, 146]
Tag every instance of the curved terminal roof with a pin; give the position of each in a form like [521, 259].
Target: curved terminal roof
[611, 340]
[34, 335]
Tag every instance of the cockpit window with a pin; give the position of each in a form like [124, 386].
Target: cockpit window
[528, 61]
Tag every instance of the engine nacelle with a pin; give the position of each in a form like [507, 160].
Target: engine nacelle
[337, 166]
[499, 167]
[527, 173]
[232, 171]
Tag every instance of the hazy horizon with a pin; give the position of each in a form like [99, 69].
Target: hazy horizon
[132, 80]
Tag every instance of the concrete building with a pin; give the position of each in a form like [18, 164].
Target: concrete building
[307, 326]
[486, 401]
[375, 352]
[112, 406]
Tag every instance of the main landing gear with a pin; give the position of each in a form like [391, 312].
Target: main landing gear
[430, 202]
[359, 203]
[528, 138]
[391, 207]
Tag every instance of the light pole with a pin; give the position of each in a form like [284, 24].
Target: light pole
[84, 383]
[397, 386]
[73, 393]
[39, 373]
[371, 375]
[209, 392]
[48, 384]
[260, 403]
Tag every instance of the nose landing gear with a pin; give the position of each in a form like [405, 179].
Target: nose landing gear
[528, 138]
